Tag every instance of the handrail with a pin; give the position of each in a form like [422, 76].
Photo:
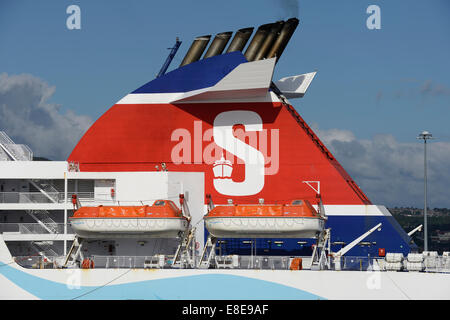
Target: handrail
[38, 197]
[6, 142]
[33, 228]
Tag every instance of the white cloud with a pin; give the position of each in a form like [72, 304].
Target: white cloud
[28, 118]
[392, 172]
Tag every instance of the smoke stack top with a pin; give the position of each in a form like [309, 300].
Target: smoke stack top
[269, 41]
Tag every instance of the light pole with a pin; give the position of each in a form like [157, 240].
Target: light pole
[425, 135]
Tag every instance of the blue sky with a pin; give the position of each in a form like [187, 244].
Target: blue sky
[122, 44]
[393, 81]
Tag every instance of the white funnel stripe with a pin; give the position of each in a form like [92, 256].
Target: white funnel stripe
[248, 82]
[159, 98]
[251, 79]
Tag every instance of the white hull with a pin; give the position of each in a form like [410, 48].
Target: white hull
[256, 227]
[20, 283]
[99, 228]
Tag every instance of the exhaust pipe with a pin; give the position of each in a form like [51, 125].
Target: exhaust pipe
[269, 41]
[285, 35]
[218, 44]
[240, 40]
[257, 41]
[195, 51]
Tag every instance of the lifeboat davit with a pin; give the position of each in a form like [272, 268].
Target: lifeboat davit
[296, 220]
[163, 219]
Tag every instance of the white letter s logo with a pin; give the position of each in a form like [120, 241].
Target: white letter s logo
[253, 159]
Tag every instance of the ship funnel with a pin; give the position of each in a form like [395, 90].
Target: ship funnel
[218, 44]
[285, 35]
[195, 51]
[240, 40]
[270, 40]
[257, 41]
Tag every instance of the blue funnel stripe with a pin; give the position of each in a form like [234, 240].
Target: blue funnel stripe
[198, 75]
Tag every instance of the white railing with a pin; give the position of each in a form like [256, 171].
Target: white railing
[28, 152]
[46, 188]
[73, 166]
[259, 262]
[18, 152]
[442, 264]
[38, 197]
[33, 228]
[127, 262]
[437, 264]
[37, 261]
[85, 198]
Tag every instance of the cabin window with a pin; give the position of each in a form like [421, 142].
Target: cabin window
[297, 202]
[159, 203]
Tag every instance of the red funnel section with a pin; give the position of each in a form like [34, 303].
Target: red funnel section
[138, 137]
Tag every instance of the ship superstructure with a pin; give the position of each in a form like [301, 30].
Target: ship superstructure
[245, 183]
[225, 106]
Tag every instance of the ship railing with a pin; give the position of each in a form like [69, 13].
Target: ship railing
[255, 262]
[73, 166]
[85, 198]
[437, 264]
[107, 199]
[127, 262]
[18, 152]
[27, 152]
[38, 261]
[222, 262]
[441, 265]
[32, 228]
[355, 263]
[38, 197]
[110, 202]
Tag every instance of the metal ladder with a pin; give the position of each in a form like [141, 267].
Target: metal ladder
[43, 218]
[320, 260]
[43, 248]
[45, 188]
[183, 253]
[74, 252]
[207, 257]
[6, 142]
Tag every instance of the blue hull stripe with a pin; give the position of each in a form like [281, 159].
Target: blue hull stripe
[196, 287]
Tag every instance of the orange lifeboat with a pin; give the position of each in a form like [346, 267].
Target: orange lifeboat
[296, 220]
[163, 219]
